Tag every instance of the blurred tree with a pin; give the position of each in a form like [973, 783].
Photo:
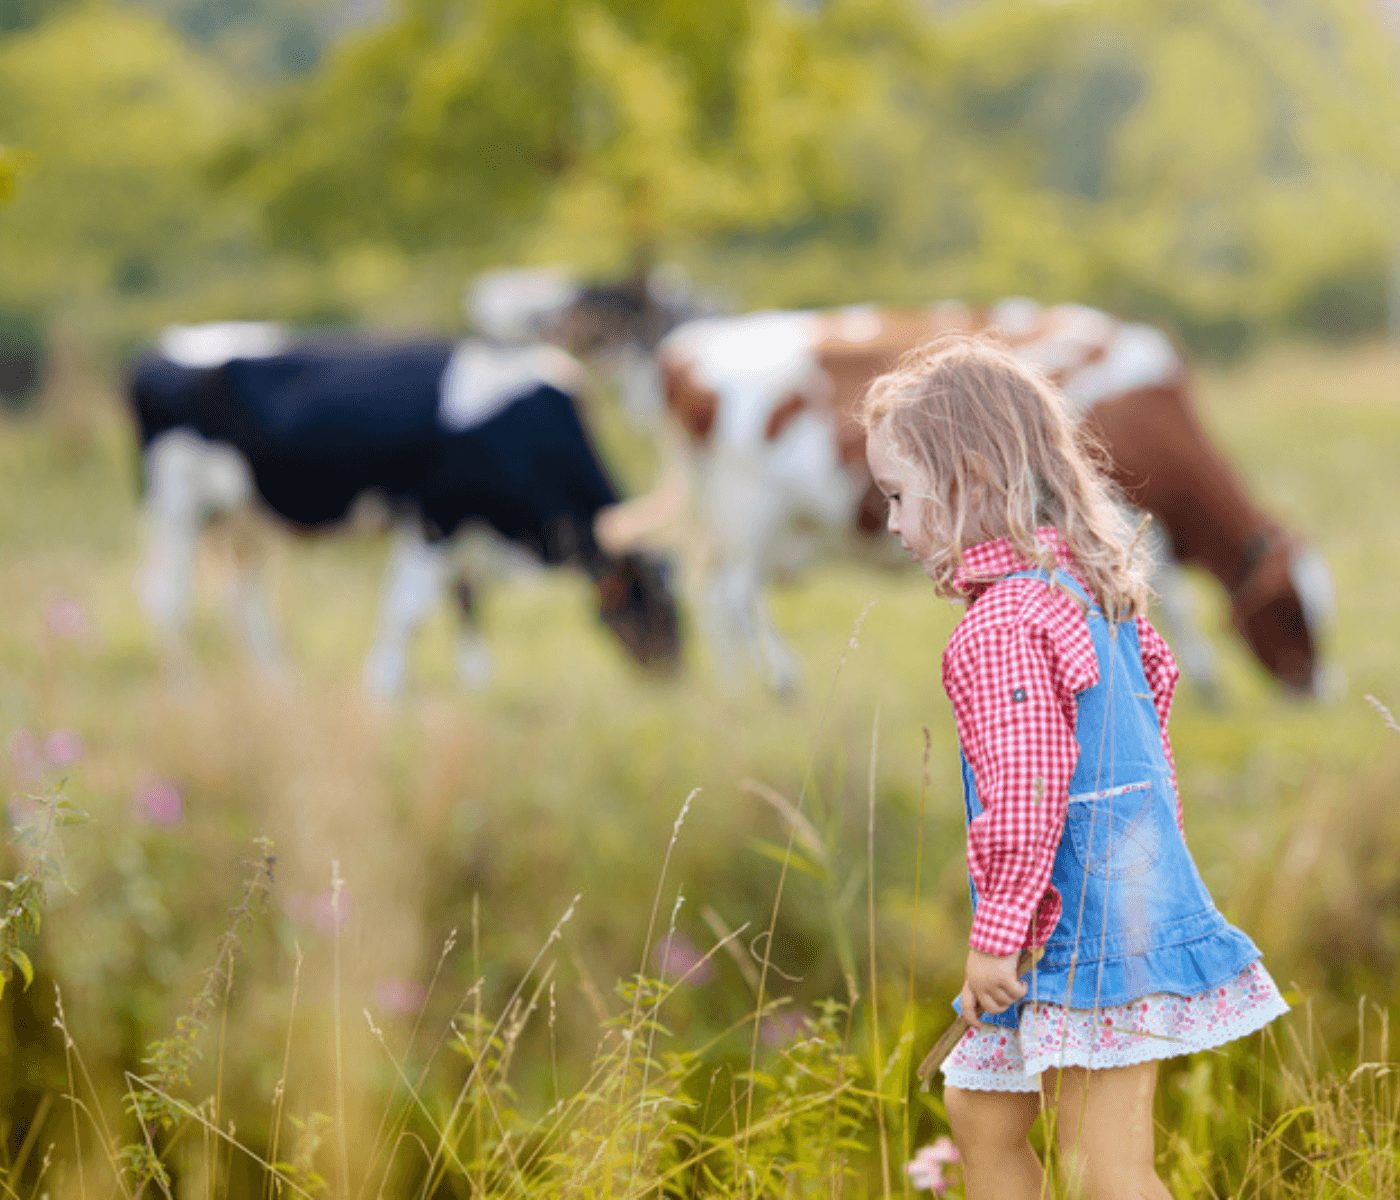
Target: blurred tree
[24, 14]
[260, 39]
[9, 169]
[609, 131]
[1166, 157]
[113, 201]
[1226, 168]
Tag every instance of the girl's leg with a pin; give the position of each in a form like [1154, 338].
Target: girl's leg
[992, 1131]
[1103, 1127]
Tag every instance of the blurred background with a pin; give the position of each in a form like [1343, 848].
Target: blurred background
[491, 956]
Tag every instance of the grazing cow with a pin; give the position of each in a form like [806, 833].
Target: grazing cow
[775, 465]
[614, 326]
[447, 435]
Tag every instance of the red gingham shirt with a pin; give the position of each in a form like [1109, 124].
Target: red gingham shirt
[1019, 635]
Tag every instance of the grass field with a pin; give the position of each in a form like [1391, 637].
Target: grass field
[484, 962]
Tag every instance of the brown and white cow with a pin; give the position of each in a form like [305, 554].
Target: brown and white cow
[774, 466]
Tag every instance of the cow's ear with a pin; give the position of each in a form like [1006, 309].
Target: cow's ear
[612, 591]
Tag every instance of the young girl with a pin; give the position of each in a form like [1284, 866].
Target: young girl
[1060, 689]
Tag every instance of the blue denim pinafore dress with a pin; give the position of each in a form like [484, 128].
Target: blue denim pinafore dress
[1136, 915]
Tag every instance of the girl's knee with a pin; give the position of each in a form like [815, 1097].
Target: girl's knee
[989, 1121]
[1092, 1177]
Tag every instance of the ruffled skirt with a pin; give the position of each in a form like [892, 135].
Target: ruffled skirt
[993, 1058]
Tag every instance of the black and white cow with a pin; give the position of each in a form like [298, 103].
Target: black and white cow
[614, 325]
[449, 436]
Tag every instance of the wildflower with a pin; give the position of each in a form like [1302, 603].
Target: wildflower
[403, 997]
[26, 760]
[327, 913]
[158, 802]
[23, 810]
[678, 957]
[66, 618]
[926, 1170]
[782, 1027]
[62, 748]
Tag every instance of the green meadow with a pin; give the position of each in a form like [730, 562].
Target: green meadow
[589, 934]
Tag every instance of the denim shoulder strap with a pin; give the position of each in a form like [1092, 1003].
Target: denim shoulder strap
[1063, 577]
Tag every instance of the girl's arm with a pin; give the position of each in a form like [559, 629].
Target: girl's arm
[1012, 688]
[1159, 665]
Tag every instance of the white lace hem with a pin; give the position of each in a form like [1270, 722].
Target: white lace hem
[1149, 1047]
[1160, 1026]
[988, 1081]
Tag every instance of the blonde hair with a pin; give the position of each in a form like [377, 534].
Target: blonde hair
[1003, 456]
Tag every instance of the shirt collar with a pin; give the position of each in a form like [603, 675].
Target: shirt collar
[987, 562]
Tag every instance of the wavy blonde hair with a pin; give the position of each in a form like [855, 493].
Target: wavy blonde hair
[1002, 456]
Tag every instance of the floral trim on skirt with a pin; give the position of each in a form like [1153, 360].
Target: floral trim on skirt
[994, 1059]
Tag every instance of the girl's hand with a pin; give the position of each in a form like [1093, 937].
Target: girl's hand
[990, 985]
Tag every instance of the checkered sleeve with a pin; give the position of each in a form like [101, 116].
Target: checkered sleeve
[1012, 691]
[1159, 665]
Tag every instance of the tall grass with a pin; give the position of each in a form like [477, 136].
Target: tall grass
[1286, 1113]
[535, 967]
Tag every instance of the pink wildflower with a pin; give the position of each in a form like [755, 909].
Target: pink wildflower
[158, 802]
[926, 1170]
[328, 914]
[23, 811]
[66, 618]
[26, 760]
[678, 957]
[63, 748]
[781, 1028]
[403, 997]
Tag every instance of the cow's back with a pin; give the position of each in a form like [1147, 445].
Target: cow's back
[325, 401]
[161, 393]
[324, 422]
[530, 470]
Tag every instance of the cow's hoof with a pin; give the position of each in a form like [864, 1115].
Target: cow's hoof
[383, 682]
[475, 667]
[785, 684]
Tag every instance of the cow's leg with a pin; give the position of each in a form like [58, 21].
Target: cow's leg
[728, 592]
[745, 521]
[1193, 651]
[248, 593]
[173, 524]
[418, 572]
[741, 631]
[474, 665]
[188, 481]
[781, 669]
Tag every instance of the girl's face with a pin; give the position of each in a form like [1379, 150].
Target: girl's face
[913, 511]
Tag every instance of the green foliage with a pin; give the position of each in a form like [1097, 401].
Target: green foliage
[9, 170]
[153, 1099]
[112, 201]
[544, 1080]
[24, 14]
[1182, 162]
[36, 844]
[256, 38]
[1174, 160]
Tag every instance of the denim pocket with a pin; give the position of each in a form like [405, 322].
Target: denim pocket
[1114, 831]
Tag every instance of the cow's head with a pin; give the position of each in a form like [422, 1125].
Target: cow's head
[629, 315]
[635, 601]
[1282, 604]
[595, 320]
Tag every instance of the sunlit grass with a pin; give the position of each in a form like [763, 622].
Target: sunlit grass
[477, 1048]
